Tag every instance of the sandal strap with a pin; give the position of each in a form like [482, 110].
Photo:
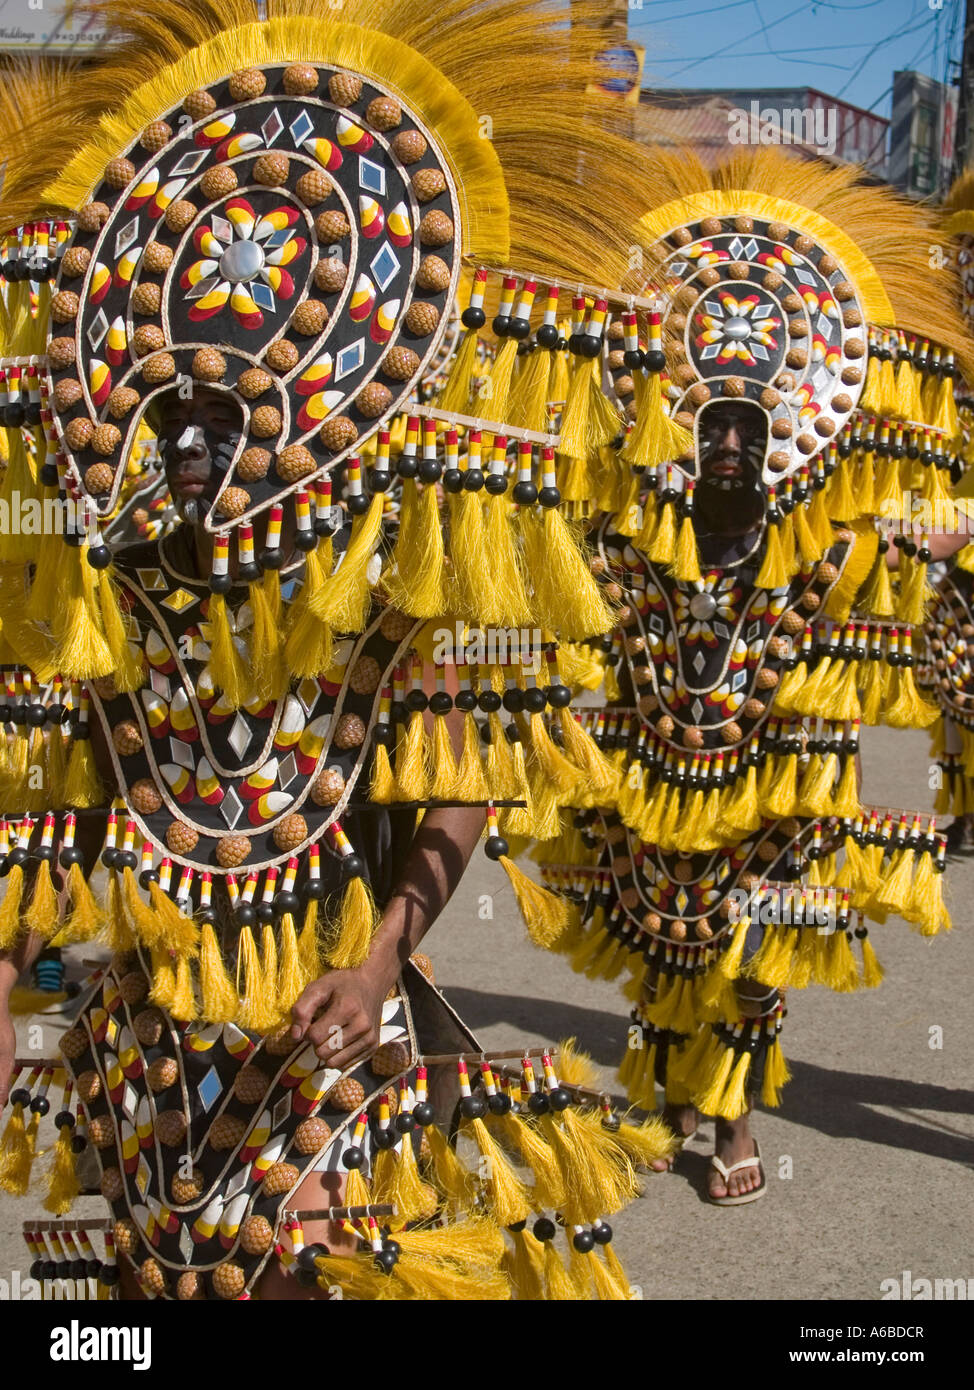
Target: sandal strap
[753, 1162]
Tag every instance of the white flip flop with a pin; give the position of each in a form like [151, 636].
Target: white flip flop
[745, 1197]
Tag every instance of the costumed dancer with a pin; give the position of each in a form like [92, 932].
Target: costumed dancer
[793, 384]
[264, 230]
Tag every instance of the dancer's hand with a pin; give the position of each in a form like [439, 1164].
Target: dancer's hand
[340, 1014]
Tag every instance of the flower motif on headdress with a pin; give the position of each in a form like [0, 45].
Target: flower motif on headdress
[242, 260]
[700, 604]
[736, 328]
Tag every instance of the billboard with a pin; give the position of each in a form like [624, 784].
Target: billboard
[54, 27]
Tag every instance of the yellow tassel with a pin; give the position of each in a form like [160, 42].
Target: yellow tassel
[644, 539]
[471, 784]
[344, 599]
[412, 765]
[545, 914]
[537, 1154]
[127, 671]
[945, 410]
[82, 651]
[121, 936]
[15, 1154]
[560, 1287]
[815, 792]
[82, 786]
[183, 1003]
[522, 820]
[773, 573]
[503, 600]
[877, 595]
[308, 648]
[871, 400]
[455, 396]
[414, 581]
[382, 785]
[734, 1102]
[500, 763]
[528, 402]
[655, 438]
[269, 674]
[496, 389]
[845, 801]
[468, 552]
[525, 1266]
[219, 998]
[356, 1192]
[743, 812]
[872, 971]
[663, 548]
[508, 1199]
[62, 1177]
[908, 408]
[396, 1180]
[455, 1181]
[809, 546]
[707, 1100]
[566, 596]
[686, 562]
[818, 520]
[42, 916]
[253, 1013]
[444, 763]
[356, 926]
[782, 797]
[575, 432]
[309, 951]
[554, 766]
[10, 927]
[86, 919]
[926, 909]
[226, 663]
[776, 1075]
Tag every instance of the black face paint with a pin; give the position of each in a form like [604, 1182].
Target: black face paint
[197, 441]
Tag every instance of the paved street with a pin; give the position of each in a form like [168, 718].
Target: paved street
[877, 1125]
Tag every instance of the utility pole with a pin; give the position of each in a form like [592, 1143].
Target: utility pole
[965, 105]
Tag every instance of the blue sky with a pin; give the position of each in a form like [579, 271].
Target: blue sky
[847, 48]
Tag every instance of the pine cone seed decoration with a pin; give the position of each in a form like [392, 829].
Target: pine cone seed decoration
[280, 1177]
[290, 832]
[344, 89]
[209, 365]
[218, 182]
[265, 421]
[300, 79]
[395, 625]
[152, 1276]
[250, 1084]
[366, 675]
[391, 1059]
[61, 353]
[64, 306]
[327, 788]
[256, 1235]
[89, 1086]
[185, 1190]
[253, 465]
[126, 1236]
[338, 433]
[99, 478]
[331, 226]
[331, 274]
[93, 217]
[272, 170]
[190, 1287]
[421, 319]
[170, 1128]
[226, 1133]
[280, 1044]
[347, 1094]
[162, 367]
[101, 1132]
[373, 400]
[313, 187]
[122, 401]
[73, 1044]
[732, 733]
[156, 258]
[282, 356]
[134, 987]
[311, 1135]
[424, 965]
[246, 84]
[400, 363]
[112, 1185]
[228, 1280]
[106, 439]
[254, 382]
[68, 391]
[409, 146]
[428, 184]
[349, 732]
[147, 1026]
[232, 850]
[182, 838]
[383, 113]
[162, 1073]
[199, 105]
[295, 462]
[234, 501]
[148, 338]
[119, 173]
[179, 215]
[434, 274]
[75, 262]
[436, 229]
[144, 797]
[147, 298]
[156, 136]
[310, 318]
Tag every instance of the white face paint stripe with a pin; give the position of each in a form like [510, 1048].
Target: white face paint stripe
[187, 437]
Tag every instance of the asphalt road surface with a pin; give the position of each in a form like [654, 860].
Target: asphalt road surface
[869, 1158]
